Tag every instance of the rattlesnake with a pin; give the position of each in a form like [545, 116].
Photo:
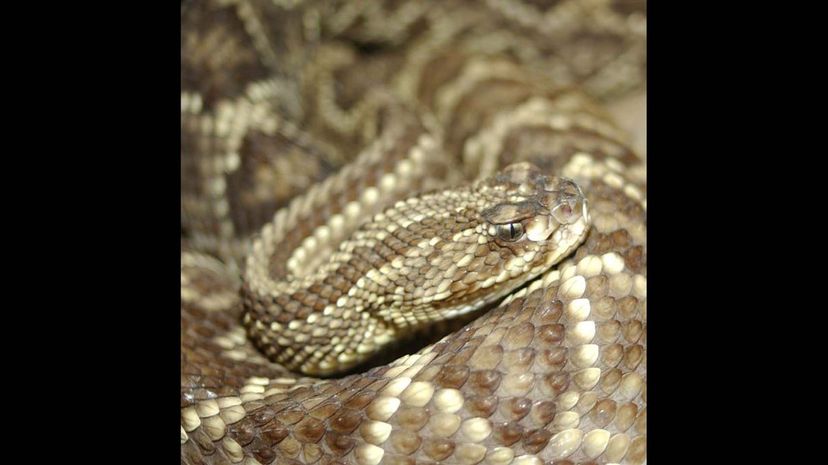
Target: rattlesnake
[303, 120]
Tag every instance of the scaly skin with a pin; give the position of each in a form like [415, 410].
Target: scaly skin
[426, 258]
[555, 373]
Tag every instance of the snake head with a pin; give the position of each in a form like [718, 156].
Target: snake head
[534, 207]
[468, 247]
[533, 220]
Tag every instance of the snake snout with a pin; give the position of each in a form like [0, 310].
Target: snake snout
[541, 204]
[566, 201]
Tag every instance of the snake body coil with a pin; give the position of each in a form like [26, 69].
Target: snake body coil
[425, 259]
[355, 171]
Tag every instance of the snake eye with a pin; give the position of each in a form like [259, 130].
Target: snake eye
[509, 232]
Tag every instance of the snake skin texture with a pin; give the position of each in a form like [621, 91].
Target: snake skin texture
[334, 155]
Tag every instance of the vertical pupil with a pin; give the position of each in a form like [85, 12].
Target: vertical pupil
[509, 231]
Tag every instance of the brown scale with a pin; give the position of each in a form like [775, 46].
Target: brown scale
[290, 447]
[552, 360]
[438, 448]
[641, 421]
[412, 419]
[535, 440]
[309, 430]
[628, 308]
[632, 330]
[515, 408]
[338, 444]
[543, 412]
[481, 406]
[204, 443]
[507, 433]
[405, 442]
[520, 360]
[608, 331]
[612, 354]
[555, 384]
[638, 449]
[610, 380]
[633, 356]
[598, 287]
[626, 416]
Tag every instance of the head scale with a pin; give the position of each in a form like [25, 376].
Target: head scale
[533, 206]
[508, 229]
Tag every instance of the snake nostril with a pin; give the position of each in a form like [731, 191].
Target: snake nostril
[564, 212]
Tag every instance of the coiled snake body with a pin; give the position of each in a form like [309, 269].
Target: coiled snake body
[353, 172]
